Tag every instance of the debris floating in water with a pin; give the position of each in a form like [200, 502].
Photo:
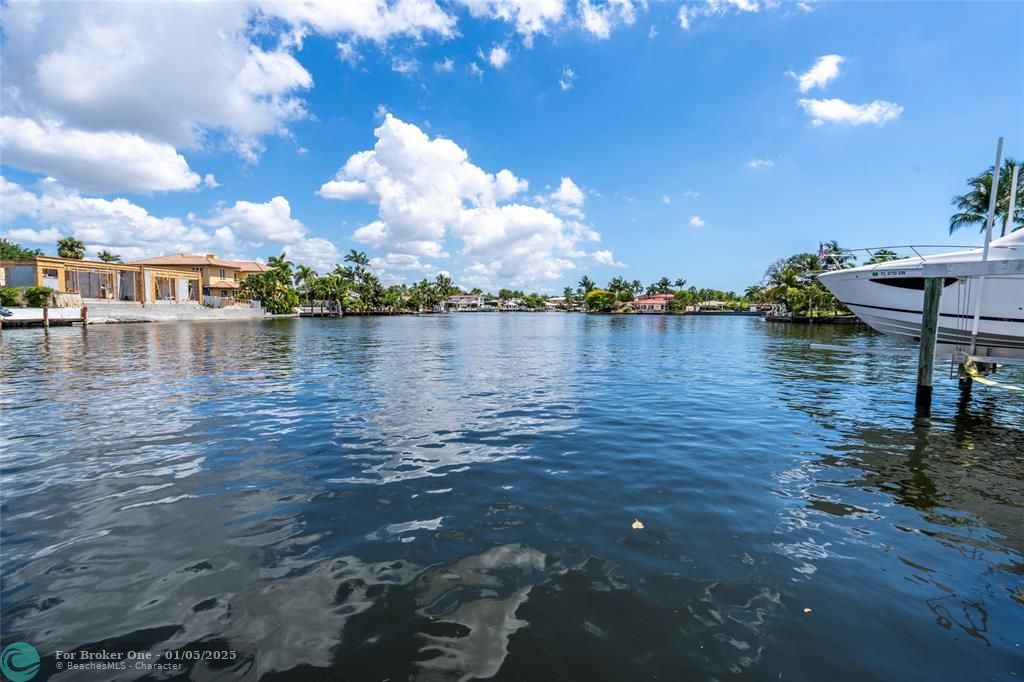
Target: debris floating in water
[637, 525]
[807, 610]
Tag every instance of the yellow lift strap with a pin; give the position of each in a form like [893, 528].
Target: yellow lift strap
[971, 370]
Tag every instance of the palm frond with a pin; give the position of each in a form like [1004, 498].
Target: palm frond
[961, 220]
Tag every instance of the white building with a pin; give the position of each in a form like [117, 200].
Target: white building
[466, 302]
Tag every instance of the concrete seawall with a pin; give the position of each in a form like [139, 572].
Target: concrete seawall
[111, 313]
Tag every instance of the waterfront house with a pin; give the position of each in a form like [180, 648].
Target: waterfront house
[554, 303]
[98, 281]
[655, 303]
[711, 305]
[466, 302]
[221, 277]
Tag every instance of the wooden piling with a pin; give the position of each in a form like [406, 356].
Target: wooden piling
[929, 336]
[46, 316]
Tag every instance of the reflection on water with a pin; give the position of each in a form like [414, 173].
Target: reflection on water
[450, 497]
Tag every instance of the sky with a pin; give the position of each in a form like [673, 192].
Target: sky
[520, 143]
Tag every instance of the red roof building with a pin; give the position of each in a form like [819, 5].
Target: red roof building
[655, 303]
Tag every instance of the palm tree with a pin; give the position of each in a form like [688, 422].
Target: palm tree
[662, 286]
[680, 283]
[621, 288]
[570, 297]
[587, 285]
[754, 293]
[108, 257]
[972, 207]
[837, 255]
[444, 287]
[69, 247]
[281, 264]
[357, 258]
[304, 278]
[882, 256]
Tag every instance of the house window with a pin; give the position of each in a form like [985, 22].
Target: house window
[50, 272]
[222, 275]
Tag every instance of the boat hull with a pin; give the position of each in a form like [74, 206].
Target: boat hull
[890, 302]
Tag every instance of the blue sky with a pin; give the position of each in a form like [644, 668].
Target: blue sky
[161, 128]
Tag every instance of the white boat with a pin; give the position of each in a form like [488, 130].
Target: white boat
[889, 297]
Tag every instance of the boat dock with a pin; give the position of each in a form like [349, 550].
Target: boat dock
[321, 309]
[44, 317]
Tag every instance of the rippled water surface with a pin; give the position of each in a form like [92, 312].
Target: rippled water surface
[451, 497]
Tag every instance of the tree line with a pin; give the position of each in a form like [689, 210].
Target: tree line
[353, 287]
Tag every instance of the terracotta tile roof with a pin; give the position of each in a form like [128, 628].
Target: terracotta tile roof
[650, 300]
[208, 260]
[185, 259]
[249, 265]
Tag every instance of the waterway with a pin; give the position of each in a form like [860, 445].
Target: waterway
[453, 497]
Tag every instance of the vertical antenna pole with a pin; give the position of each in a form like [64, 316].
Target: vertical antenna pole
[988, 238]
[1008, 223]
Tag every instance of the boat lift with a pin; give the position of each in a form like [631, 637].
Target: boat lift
[969, 364]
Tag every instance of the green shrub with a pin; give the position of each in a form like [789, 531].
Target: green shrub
[600, 301]
[9, 297]
[37, 297]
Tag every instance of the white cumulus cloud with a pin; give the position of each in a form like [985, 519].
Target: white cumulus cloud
[105, 67]
[404, 66]
[606, 257]
[824, 71]
[257, 223]
[568, 198]
[499, 56]
[426, 191]
[55, 211]
[760, 163]
[529, 16]
[318, 253]
[117, 224]
[27, 234]
[877, 112]
[600, 18]
[688, 11]
[696, 221]
[95, 161]
[377, 20]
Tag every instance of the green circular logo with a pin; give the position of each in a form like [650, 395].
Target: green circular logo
[19, 662]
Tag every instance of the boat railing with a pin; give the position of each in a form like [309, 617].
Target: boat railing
[834, 260]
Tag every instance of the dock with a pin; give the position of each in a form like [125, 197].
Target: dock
[321, 309]
[45, 317]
